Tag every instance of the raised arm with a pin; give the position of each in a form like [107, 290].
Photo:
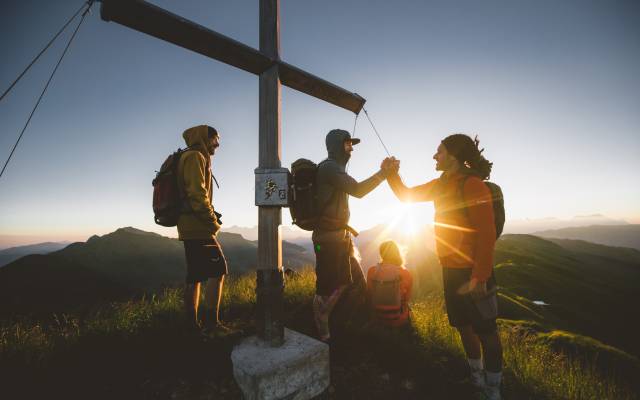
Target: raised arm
[343, 182]
[423, 192]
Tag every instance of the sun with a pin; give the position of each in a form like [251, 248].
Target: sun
[405, 219]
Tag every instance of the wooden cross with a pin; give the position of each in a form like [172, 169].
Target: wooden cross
[155, 21]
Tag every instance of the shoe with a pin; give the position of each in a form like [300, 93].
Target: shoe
[491, 389]
[477, 379]
[491, 392]
[219, 330]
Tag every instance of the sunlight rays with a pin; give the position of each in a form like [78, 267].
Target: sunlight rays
[453, 248]
[455, 227]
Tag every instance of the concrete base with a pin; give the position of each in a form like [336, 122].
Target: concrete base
[297, 370]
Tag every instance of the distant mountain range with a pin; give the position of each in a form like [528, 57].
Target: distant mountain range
[529, 226]
[108, 267]
[614, 235]
[13, 253]
[291, 234]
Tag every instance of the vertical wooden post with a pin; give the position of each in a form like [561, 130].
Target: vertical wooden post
[270, 278]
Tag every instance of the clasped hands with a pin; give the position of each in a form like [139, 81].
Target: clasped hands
[390, 165]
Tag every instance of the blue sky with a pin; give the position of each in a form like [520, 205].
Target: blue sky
[550, 87]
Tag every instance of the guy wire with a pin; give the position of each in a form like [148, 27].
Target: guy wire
[64, 52]
[376, 131]
[42, 51]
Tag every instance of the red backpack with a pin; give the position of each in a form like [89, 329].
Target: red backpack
[386, 296]
[167, 195]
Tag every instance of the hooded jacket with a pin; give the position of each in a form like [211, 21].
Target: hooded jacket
[198, 222]
[335, 185]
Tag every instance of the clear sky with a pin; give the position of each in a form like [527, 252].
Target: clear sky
[551, 88]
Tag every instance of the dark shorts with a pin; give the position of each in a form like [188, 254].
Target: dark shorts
[205, 260]
[336, 265]
[462, 309]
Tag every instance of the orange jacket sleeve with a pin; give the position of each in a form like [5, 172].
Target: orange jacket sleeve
[478, 199]
[423, 192]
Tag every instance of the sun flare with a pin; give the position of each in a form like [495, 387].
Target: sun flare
[403, 217]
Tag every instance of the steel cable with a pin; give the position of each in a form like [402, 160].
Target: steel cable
[46, 86]
[42, 51]
[376, 131]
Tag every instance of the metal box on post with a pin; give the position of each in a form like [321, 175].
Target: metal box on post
[272, 187]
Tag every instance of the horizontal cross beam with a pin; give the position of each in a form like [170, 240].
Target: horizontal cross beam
[158, 22]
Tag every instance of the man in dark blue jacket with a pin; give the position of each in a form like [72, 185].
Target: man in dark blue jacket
[337, 269]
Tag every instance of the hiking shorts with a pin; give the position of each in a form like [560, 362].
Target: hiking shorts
[336, 264]
[464, 310]
[205, 260]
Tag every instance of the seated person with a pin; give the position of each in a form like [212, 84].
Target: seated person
[389, 287]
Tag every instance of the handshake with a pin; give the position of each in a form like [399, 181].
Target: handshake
[390, 165]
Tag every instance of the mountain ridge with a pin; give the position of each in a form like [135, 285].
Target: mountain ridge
[128, 261]
[627, 235]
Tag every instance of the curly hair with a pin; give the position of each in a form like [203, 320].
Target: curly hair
[467, 151]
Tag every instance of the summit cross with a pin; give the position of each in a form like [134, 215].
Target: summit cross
[273, 72]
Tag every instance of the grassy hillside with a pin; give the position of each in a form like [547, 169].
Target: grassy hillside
[45, 284]
[589, 291]
[581, 345]
[139, 349]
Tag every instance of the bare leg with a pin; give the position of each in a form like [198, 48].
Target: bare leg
[492, 351]
[322, 307]
[191, 301]
[213, 298]
[470, 342]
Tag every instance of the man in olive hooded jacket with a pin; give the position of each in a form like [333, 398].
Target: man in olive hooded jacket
[337, 269]
[198, 225]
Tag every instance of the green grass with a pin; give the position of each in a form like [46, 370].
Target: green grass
[140, 349]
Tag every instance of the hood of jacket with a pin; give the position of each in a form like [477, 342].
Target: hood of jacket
[197, 138]
[335, 145]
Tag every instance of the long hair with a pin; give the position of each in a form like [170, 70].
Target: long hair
[390, 253]
[468, 153]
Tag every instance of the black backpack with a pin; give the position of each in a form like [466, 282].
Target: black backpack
[497, 199]
[167, 196]
[303, 194]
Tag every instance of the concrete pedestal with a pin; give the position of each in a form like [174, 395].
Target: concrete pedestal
[297, 370]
